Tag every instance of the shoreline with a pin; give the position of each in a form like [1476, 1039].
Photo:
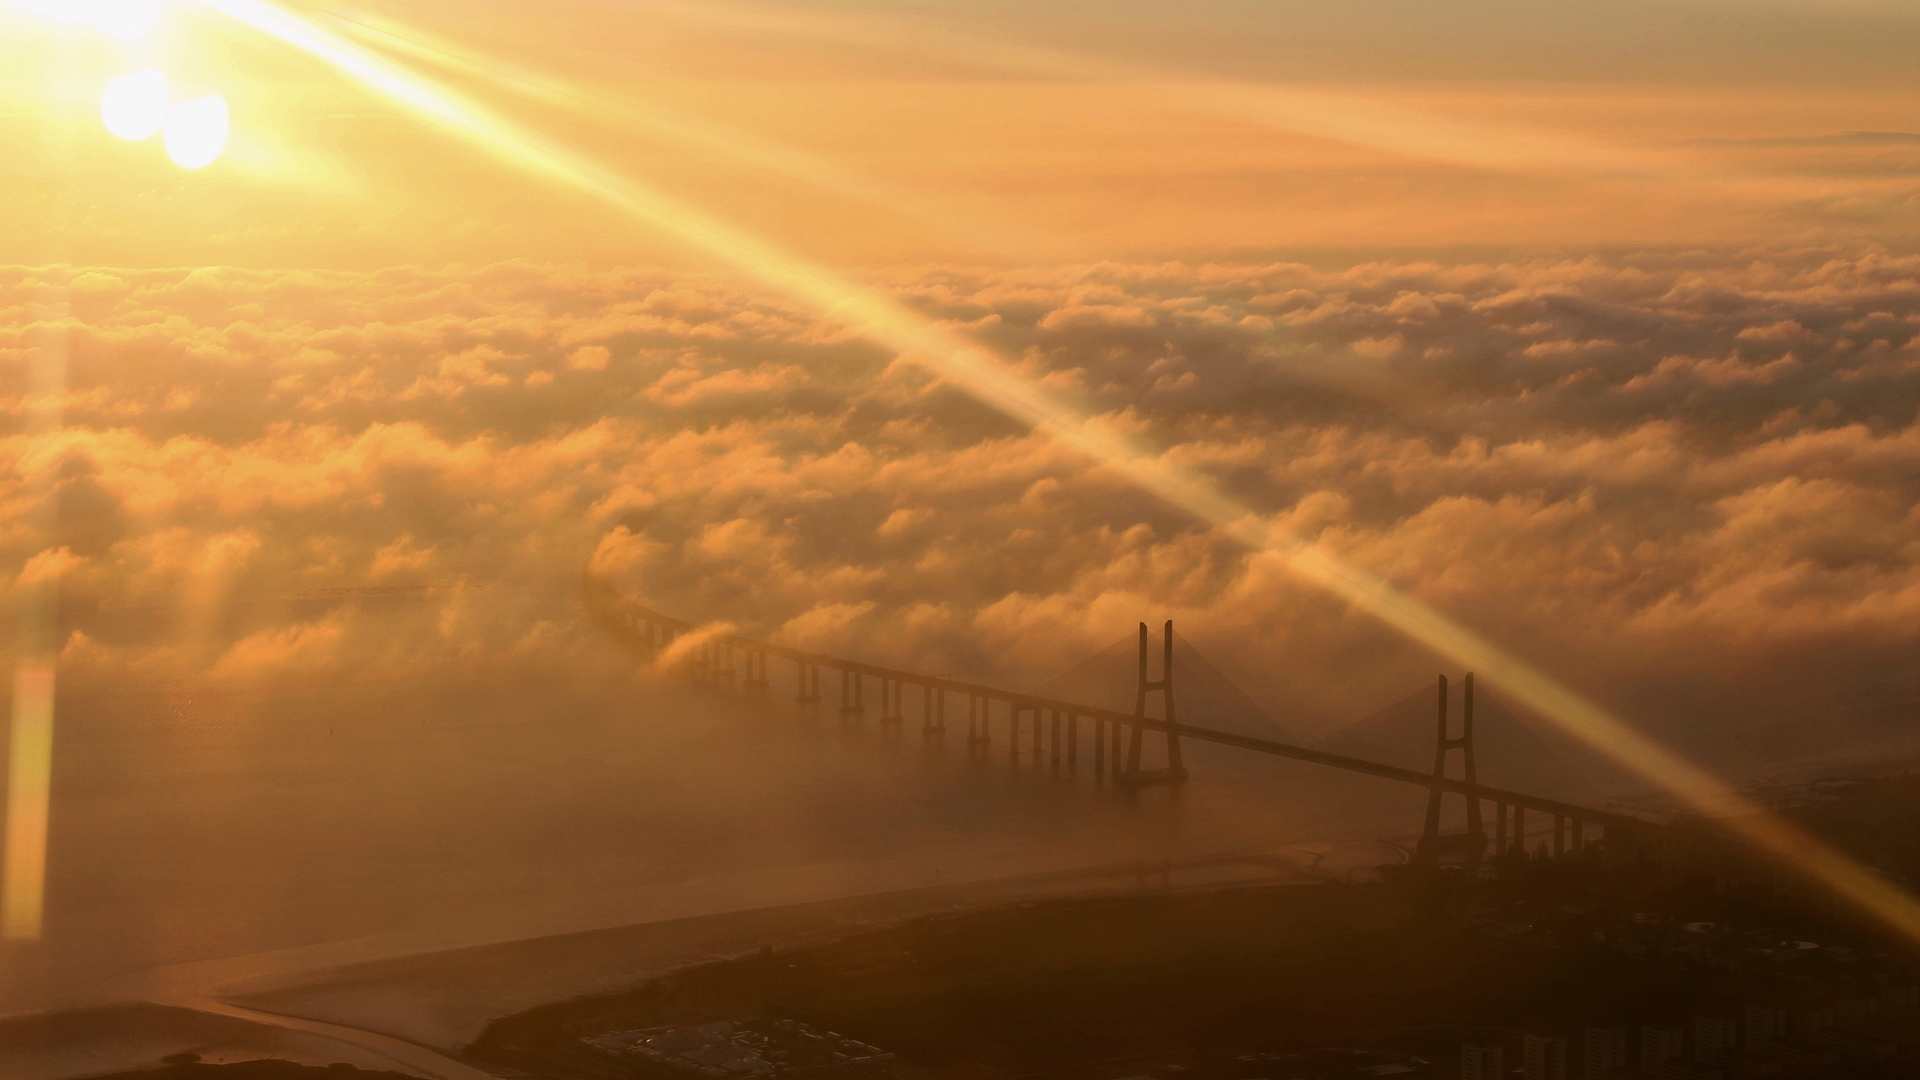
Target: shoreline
[366, 1011]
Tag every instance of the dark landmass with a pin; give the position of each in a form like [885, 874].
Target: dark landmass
[1309, 981]
[1752, 976]
[266, 1069]
[1750, 973]
[1875, 820]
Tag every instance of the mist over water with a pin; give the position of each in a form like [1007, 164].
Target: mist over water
[196, 820]
[915, 338]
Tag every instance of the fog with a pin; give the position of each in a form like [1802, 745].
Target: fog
[196, 820]
[955, 338]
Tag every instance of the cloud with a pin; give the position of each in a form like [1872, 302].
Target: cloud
[1646, 471]
[589, 358]
[48, 566]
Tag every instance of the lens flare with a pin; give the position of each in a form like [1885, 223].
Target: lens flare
[197, 132]
[128, 20]
[134, 106]
[29, 773]
[958, 360]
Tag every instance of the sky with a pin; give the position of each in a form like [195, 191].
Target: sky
[992, 134]
[1591, 326]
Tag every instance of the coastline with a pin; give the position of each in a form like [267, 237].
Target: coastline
[367, 1011]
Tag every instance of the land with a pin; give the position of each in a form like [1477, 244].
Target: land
[183, 1068]
[1320, 981]
[1196, 980]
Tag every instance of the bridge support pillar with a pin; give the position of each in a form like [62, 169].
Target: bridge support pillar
[1579, 836]
[852, 693]
[1053, 746]
[1499, 830]
[756, 680]
[977, 720]
[1471, 844]
[809, 684]
[1176, 769]
[934, 719]
[1559, 835]
[890, 712]
[1073, 740]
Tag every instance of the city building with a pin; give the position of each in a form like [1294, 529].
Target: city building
[1482, 1062]
[1713, 1033]
[1606, 1051]
[1765, 1025]
[1543, 1057]
[1658, 1045]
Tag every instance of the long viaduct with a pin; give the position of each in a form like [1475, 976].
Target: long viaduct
[1051, 729]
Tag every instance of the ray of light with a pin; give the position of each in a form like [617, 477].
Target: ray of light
[966, 364]
[23, 868]
[128, 20]
[395, 37]
[29, 792]
[627, 112]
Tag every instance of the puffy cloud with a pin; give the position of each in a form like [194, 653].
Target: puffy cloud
[1643, 472]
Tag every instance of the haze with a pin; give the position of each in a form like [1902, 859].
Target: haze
[1591, 327]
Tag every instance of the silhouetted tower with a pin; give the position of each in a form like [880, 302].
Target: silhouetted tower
[1471, 843]
[1175, 770]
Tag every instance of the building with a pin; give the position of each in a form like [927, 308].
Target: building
[1658, 1045]
[1543, 1057]
[1799, 1055]
[1712, 1034]
[1606, 1051]
[1806, 1021]
[1482, 1062]
[1765, 1025]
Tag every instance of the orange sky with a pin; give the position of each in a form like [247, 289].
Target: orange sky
[975, 134]
[1592, 328]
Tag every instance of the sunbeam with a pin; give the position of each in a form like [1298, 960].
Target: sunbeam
[630, 113]
[964, 363]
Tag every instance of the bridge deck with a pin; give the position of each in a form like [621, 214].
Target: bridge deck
[1185, 731]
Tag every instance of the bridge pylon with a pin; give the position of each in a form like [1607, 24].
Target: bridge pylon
[853, 698]
[1175, 770]
[756, 680]
[1470, 845]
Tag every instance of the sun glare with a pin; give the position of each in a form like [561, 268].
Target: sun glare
[128, 20]
[197, 132]
[134, 106]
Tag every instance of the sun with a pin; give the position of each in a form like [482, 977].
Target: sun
[134, 106]
[197, 132]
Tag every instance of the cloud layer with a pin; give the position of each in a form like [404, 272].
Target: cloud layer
[1688, 483]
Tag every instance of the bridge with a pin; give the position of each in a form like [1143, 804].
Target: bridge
[1050, 729]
